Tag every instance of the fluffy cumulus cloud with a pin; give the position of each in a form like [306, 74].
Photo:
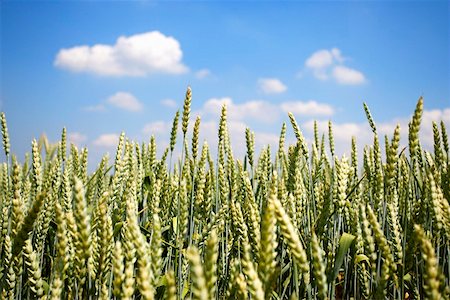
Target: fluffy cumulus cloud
[325, 64]
[126, 101]
[254, 109]
[122, 100]
[135, 55]
[271, 85]
[307, 108]
[345, 75]
[107, 140]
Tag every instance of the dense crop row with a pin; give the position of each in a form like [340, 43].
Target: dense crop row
[296, 223]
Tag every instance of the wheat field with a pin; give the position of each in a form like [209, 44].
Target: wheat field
[297, 222]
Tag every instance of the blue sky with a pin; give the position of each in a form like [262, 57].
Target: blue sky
[101, 67]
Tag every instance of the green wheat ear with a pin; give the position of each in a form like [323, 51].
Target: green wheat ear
[186, 111]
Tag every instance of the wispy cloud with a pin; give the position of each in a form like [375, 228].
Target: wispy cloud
[326, 64]
[135, 55]
[271, 85]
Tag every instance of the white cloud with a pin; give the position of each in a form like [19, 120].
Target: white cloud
[125, 101]
[345, 75]
[330, 63]
[341, 131]
[271, 85]
[169, 103]
[259, 110]
[76, 138]
[203, 73]
[320, 59]
[263, 111]
[135, 55]
[107, 140]
[308, 108]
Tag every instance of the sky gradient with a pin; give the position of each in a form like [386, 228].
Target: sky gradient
[99, 68]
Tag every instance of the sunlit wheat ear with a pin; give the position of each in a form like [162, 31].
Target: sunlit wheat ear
[319, 267]
[431, 272]
[299, 135]
[445, 139]
[269, 243]
[414, 127]
[118, 269]
[195, 134]
[5, 135]
[250, 143]
[37, 165]
[438, 155]
[186, 111]
[33, 270]
[331, 138]
[174, 131]
[56, 289]
[27, 225]
[129, 278]
[389, 267]
[222, 125]
[82, 238]
[253, 281]
[199, 287]
[62, 246]
[292, 239]
[282, 140]
[17, 206]
[392, 157]
[9, 272]
[171, 289]
[370, 119]
[211, 255]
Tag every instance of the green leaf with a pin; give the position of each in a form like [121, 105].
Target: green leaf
[345, 242]
[45, 286]
[162, 281]
[361, 257]
[117, 228]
